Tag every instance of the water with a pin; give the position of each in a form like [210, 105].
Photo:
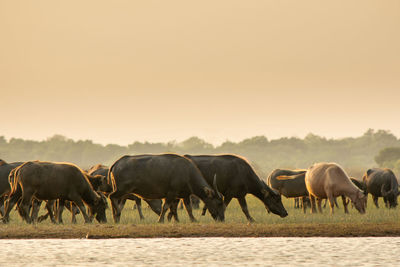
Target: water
[374, 251]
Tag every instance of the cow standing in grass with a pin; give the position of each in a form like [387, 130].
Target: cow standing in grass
[165, 176]
[329, 180]
[51, 181]
[101, 184]
[235, 178]
[290, 184]
[382, 183]
[5, 169]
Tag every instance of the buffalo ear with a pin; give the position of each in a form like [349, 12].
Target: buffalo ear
[265, 192]
[369, 171]
[209, 192]
[361, 194]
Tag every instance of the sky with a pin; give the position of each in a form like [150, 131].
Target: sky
[124, 71]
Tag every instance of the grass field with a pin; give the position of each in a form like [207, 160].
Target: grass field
[376, 222]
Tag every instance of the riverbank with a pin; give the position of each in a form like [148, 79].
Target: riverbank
[97, 231]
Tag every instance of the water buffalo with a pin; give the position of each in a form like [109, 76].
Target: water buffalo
[329, 180]
[382, 183]
[5, 169]
[50, 181]
[357, 183]
[290, 184]
[166, 176]
[235, 179]
[101, 184]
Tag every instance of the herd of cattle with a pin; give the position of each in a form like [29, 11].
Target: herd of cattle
[214, 179]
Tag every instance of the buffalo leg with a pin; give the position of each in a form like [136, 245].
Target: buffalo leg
[332, 201]
[188, 207]
[81, 207]
[35, 210]
[243, 205]
[319, 201]
[60, 209]
[115, 198]
[24, 206]
[2, 201]
[326, 201]
[9, 205]
[173, 211]
[73, 209]
[375, 201]
[304, 204]
[139, 208]
[167, 203]
[345, 203]
[386, 201]
[50, 212]
[204, 210]
[313, 207]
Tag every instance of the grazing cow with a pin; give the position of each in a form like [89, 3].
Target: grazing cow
[235, 179]
[50, 181]
[5, 169]
[357, 183]
[102, 185]
[166, 176]
[290, 184]
[329, 180]
[382, 183]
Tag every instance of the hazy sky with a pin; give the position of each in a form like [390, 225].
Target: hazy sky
[121, 71]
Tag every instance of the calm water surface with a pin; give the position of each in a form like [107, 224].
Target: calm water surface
[374, 251]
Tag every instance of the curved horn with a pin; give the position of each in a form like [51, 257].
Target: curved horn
[215, 186]
[384, 192]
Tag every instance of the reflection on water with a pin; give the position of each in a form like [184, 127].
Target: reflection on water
[374, 251]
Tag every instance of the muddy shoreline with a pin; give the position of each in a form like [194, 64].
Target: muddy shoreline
[199, 230]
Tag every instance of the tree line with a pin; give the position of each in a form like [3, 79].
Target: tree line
[356, 154]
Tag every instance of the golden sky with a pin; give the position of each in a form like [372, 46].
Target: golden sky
[121, 71]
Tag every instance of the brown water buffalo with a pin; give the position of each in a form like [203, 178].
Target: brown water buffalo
[235, 179]
[164, 176]
[357, 183]
[5, 169]
[382, 183]
[102, 185]
[50, 181]
[290, 184]
[329, 180]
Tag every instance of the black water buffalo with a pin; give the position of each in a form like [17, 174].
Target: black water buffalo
[50, 181]
[164, 176]
[235, 179]
[5, 169]
[382, 183]
[290, 184]
[101, 184]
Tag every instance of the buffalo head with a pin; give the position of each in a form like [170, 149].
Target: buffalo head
[214, 202]
[360, 201]
[273, 201]
[98, 209]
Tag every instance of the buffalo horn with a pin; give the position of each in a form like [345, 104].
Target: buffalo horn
[215, 186]
[385, 193]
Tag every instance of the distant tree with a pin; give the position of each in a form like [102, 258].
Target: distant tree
[194, 144]
[388, 156]
[354, 153]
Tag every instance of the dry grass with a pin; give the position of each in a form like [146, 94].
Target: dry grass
[376, 222]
